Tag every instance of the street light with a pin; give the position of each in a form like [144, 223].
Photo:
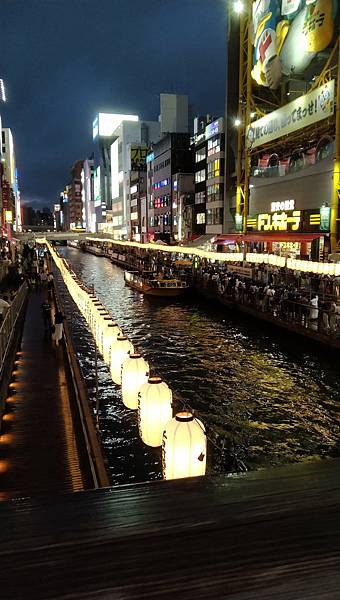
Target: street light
[238, 7]
[237, 122]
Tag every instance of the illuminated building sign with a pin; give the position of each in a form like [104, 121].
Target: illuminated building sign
[238, 222]
[6, 194]
[214, 128]
[302, 112]
[325, 218]
[8, 216]
[284, 205]
[138, 158]
[284, 221]
[150, 157]
[105, 124]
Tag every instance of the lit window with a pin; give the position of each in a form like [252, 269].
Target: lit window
[200, 176]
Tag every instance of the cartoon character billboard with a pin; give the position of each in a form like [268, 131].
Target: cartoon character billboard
[287, 35]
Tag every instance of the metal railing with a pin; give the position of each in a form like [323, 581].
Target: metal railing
[300, 313]
[7, 327]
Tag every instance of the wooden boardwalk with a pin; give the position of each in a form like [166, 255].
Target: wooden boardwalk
[42, 450]
[268, 535]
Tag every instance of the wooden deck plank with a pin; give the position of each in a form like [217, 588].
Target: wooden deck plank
[273, 534]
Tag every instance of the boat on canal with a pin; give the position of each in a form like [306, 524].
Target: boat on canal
[96, 250]
[148, 284]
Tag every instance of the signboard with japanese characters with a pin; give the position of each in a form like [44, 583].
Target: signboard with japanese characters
[278, 221]
[302, 112]
[138, 158]
[290, 219]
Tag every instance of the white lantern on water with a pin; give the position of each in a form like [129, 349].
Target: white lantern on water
[109, 338]
[101, 327]
[135, 371]
[119, 352]
[184, 447]
[154, 410]
[100, 316]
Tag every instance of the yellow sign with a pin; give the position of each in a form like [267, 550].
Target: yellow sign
[8, 216]
[277, 221]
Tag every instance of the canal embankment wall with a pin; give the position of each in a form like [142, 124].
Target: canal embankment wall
[292, 328]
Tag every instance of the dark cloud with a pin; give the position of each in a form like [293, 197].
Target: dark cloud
[63, 60]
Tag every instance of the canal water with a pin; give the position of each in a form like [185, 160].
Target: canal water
[265, 397]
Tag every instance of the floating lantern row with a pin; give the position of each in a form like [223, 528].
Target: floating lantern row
[154, 405]
[182, 437]
[135, 371]
[184, 447]
[120, 351]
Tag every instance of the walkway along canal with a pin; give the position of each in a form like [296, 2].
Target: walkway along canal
[266, 400]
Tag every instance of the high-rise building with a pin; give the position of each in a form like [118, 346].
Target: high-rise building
[169, 158]
[87, 191]
[126, 137]
[11, 211]
[174, 114]
[209, 175]
[75, 203]
[138, 215]
[104, 126]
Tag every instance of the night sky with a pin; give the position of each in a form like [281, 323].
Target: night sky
[64, 60]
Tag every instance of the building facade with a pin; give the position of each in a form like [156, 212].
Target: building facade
[87, 191]
[209, 176]
[11, 208]
[169, 158]
[75, 200]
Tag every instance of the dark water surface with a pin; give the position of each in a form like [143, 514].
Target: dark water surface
[265, 397]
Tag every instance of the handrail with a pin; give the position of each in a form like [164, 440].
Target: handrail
[7, 327]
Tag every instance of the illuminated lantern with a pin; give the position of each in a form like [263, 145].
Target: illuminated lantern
[119, 352]
[184, 447]
[100, 328]
[135, 372]
[109, 338]
[154, 410]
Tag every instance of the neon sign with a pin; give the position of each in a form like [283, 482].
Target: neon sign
[277, 221]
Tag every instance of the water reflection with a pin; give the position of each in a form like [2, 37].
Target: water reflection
[265, 400]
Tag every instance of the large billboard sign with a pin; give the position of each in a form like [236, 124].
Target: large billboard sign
[302, 112]
[287, 36]
[138, 158]
[105, 124]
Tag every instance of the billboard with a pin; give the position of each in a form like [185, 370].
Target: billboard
[287, 35]
[105, 124]
[302, 112]
[138, 158]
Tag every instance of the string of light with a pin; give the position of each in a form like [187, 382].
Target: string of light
[307, 266]
[182, 436]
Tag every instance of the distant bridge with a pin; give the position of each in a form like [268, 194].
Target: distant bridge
[57, 235]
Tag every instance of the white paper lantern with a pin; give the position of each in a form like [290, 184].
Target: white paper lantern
[184, 447]
[135, 371]
[119, 352]
[110, 335]
[154, 410]
[101, 327]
